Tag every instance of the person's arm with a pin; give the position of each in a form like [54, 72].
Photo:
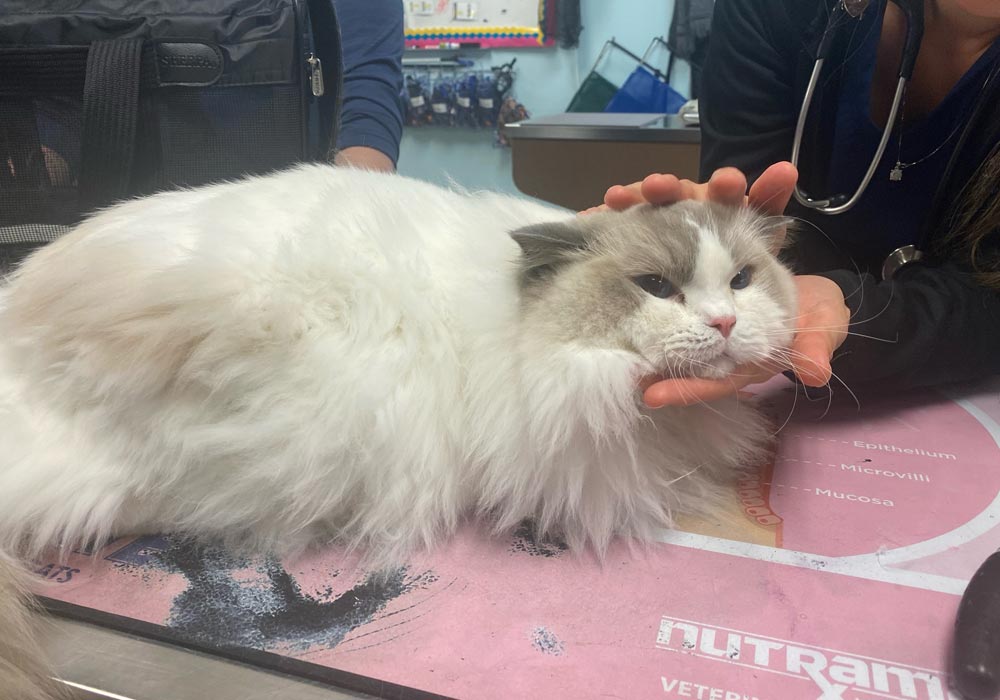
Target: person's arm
[929, 326]
[371, 125]
[364, 157]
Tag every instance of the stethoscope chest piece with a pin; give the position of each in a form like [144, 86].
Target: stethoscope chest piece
[900, 258]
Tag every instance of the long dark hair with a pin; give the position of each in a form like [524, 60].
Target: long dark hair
[975, 219]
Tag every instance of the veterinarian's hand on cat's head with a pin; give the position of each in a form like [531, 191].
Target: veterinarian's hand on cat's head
[823, 315]
[770, 193]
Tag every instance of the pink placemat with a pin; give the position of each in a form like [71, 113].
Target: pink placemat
[836, 573]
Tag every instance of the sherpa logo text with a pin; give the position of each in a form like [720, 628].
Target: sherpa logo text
[837, 674]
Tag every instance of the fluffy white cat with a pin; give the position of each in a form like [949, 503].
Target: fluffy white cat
[326, 354]
[333, 353]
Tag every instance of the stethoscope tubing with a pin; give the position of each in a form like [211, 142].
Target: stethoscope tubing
[914, 15]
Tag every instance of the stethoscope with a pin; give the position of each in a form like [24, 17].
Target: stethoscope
[913, 11]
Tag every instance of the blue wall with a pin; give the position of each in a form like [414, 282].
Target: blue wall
[546, 80]
[633, 24]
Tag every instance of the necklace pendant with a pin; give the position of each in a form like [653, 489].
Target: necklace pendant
[855, 8]
[896, 174]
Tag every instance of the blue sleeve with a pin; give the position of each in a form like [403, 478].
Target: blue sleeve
[372, 39]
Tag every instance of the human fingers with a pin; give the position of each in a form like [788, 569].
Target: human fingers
[811, 358]
[619, 197]
[659, 189]
[823, 321]
[727, 186]
[662, 188]
[688, 391]
[772, 191]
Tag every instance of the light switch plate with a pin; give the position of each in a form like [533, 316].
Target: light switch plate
[423, 8]
[465, 10]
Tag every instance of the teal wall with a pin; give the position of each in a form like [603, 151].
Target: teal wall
[546, 80]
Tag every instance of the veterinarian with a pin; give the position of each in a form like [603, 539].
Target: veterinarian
[903, 288]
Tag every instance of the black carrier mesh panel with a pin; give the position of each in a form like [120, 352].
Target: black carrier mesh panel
[187, 136]
[212, 133]
[40, 139]
[98, 104]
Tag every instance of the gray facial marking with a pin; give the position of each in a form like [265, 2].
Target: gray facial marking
[642, 240]
[579, 277]
[576, 276]
[654, 240]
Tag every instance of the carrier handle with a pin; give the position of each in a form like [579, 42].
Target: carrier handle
[110, 112]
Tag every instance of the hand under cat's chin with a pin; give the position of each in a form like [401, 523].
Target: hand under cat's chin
[718, 368]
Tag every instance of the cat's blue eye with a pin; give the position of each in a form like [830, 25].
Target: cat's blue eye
[742, 278]
[656, 285]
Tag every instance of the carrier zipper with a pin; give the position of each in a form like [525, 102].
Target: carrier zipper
[315, 68]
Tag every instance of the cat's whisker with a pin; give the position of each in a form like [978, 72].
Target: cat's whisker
[774, 356]
[857, 270]
[857, 401]
[691, 394]
[691, 471]
[824, 234]
[789, 353]
[686, 394]
[885, 307]
[791, 411]
[874, 316]
[829, 405]
[855, 334]
[768, 201]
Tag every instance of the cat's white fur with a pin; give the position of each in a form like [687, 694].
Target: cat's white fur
[24, 673]
[326, 353]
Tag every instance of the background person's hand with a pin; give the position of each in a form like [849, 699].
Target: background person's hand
[365, 158]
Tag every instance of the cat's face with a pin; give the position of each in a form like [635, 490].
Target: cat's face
[693, 288]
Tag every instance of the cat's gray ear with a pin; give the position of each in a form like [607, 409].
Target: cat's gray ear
[546, 246]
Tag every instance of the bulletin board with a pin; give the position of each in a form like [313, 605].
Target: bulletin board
[485, 23]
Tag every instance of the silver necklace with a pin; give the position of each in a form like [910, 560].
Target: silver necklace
[896, 174]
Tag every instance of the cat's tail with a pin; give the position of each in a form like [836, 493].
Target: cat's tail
[24, 670]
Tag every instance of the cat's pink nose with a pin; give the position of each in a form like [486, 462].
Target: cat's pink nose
[723, 324]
